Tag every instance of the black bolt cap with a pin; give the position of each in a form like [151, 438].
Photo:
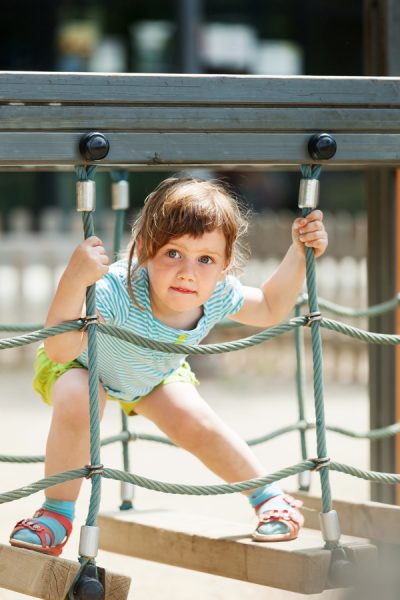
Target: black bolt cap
[322, 146]
[94, 146]
[88, 587]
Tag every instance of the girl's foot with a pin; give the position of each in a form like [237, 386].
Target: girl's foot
[46, 532]
[49, 529]
[280, 519]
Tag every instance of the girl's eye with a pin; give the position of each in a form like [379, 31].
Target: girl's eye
[207, 260]
[173, 253]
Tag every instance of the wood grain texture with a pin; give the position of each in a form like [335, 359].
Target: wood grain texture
[47, 577]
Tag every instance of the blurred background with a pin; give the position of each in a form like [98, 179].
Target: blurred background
[38, 223]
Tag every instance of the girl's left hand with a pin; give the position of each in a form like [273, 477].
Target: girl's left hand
[310, 231]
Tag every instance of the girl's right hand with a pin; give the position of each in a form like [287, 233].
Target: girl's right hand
[88, 263]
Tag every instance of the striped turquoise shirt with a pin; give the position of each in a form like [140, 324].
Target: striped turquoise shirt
[128, 371]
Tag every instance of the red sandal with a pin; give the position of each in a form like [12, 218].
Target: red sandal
[284, 509]
[41, 530]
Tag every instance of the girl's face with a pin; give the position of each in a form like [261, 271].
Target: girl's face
[183, 274]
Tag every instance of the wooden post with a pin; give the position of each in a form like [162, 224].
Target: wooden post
[382, 58]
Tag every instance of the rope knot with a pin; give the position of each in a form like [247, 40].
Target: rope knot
[320, 463]
[94, 470]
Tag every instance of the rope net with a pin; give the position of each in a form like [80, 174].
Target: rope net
[35, 332]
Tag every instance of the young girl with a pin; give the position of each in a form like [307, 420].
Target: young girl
[175, 286]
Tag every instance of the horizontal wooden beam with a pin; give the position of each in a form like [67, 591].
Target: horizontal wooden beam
[198, 118]
[47, 577]
[176, 150]
[231, 90]
[222, 548]
[373, 520]
[176, 121]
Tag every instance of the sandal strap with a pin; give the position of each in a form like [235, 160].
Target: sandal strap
[42, 530]
[290, 516]
[38, 528]
[66, 523]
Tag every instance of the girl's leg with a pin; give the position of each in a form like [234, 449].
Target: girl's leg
[67, 448]
[68, 440]
[182, 414]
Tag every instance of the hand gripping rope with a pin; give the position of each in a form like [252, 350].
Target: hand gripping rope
[321, 146]
[93, 146]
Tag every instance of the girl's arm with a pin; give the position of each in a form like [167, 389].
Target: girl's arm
[274, 299]
[88, 263]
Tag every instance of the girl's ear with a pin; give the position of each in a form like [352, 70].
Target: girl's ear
[225, 272]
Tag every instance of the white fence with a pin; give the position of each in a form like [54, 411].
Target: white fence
[31, 263]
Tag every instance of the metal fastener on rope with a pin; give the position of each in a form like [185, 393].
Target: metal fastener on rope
[94, 470]
[320, 463]
[308, 193]
[133, 436]
[89, 541]
[330, 527]
[85, 196]
[120, 195]
[312, 317]
[89, 320]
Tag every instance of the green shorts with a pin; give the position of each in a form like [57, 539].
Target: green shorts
[47, 372]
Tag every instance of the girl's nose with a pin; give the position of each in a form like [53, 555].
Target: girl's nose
[186, 272]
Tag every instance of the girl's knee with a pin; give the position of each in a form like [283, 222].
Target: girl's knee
[70, 396]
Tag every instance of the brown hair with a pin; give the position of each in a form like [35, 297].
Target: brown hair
[187, 206]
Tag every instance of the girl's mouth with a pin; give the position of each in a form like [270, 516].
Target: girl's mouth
[183, 290]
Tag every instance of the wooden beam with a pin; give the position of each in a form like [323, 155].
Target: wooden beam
[228, 90]
[47, 577]
[221, 548]
[372, 520]
[382, 58]
[183, 150]
[175, 121]
[198, 118]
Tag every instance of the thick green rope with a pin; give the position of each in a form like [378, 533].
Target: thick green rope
[300, 387]
[116, 177]
[195, 490]
[94, 504]
[377, 309]
[312, 172]
[85, 173]
[202, 349]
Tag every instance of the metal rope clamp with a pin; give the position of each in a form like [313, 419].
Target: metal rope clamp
[120, 195]
[89, 320]
[94, 470]
[320, 463]
[85, 196]
[308, 193]
[312, 317]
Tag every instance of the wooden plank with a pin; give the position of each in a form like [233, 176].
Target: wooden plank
[373, 520]
[179, 149]
[200, 118]
[220, 548]
[47, 577]
[199, 89]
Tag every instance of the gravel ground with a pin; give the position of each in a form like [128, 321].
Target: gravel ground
[250, 406]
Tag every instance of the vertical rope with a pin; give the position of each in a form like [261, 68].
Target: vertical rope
[117, 176]
[300, 385]
[308, 172]
[86, 174]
